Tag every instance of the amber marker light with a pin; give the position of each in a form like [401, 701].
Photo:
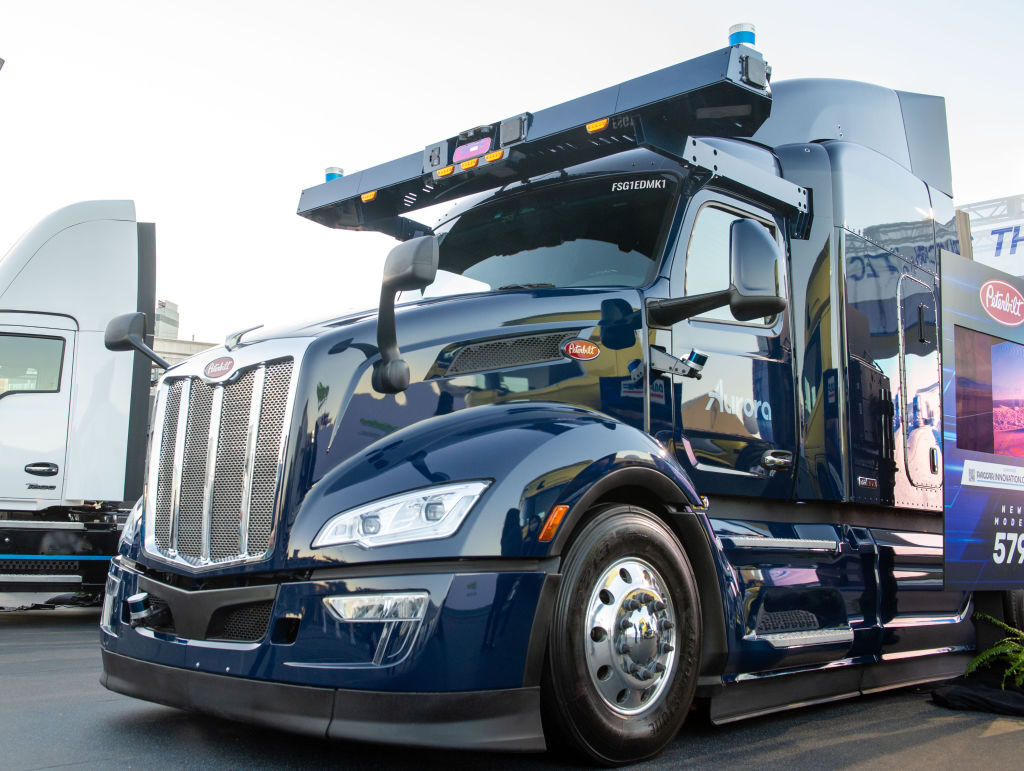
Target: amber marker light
[469, 164]
[445, 171]
[553, 521]
[367, 197]
[597, 125]
[497, 155]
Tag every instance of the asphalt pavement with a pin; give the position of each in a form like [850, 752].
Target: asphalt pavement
[55, 714]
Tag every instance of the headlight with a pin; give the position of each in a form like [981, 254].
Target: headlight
[131, 525]
[421, 515]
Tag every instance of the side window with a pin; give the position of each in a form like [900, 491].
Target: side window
[30, 364]
[707, 256]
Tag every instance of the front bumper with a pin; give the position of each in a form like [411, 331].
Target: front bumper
[493, 720]
[467, 676]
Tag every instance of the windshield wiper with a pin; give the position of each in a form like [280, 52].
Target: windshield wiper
[526, 286]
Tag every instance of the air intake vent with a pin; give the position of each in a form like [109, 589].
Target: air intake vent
[241, 623]
[509, 352]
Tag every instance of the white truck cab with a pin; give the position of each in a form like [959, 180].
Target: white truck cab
[73, 415]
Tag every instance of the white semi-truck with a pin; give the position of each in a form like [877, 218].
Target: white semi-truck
[73, 415]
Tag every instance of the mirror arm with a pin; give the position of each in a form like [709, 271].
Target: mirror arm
[139, 345]
[665, 313]
[391, 373]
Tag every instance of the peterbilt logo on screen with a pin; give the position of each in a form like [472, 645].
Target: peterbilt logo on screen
[219, 367]
[1002, 302]
[584, 350]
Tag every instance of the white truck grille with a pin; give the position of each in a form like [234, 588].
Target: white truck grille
[214, 483]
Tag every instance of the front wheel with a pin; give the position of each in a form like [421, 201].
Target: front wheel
[624, 649]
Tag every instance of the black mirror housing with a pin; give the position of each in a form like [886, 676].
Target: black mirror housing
[754, 257]
[127, 332]
[411, 265]
[122, 331]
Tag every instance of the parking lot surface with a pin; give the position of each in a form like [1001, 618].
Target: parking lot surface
[55, 714]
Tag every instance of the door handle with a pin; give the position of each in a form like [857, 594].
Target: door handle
[776, 460]
[43, 469]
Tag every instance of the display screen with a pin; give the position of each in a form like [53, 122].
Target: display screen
[989, 393]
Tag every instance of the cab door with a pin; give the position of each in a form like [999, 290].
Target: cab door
[35, 400]
[735, 427]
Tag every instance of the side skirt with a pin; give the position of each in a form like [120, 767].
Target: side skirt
[774, 692]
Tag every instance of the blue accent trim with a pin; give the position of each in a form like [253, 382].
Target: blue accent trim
[50, 557]
[744, 36]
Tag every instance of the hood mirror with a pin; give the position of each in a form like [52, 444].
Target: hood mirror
[410, 266]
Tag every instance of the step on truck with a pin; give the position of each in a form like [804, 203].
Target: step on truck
[73, 415]
[668, 405]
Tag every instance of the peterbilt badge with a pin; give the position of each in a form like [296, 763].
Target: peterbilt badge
[1002, 302]
[219, 367]
[584, 350]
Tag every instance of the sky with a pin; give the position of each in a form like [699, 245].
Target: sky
[213, 116]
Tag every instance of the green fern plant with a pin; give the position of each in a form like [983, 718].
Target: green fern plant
[1009, 650]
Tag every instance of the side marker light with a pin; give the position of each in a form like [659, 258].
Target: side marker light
[445, 171]
[367, 197]
[497, 155]
[597, 125]
[469, 164]
[553, 521]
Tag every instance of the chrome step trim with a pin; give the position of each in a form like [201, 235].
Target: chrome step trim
[765, 542]
[809, 637]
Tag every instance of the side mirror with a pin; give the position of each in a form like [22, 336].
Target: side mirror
[754, 257]
[127, 332]
[411, 265]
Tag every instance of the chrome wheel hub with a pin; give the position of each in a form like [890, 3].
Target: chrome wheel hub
[630, 636]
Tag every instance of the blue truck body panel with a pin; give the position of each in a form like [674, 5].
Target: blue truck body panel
[799, 473]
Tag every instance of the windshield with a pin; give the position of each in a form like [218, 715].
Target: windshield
[601, 231]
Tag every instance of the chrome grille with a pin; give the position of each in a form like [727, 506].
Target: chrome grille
[261, 506]
[165, 483]
[225, 525]
[216, 481]
[193, 471]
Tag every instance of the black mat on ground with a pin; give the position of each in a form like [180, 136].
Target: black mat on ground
[981, 693]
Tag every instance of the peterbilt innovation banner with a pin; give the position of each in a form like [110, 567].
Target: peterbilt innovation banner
[983, 425]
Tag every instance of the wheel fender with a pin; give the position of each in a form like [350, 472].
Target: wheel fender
[535, 455]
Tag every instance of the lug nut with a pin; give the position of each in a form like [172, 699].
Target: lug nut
[656, 606]
[625, 624]
[633, 604]
[665, 648]
[667, 626]
[658, 667]
[623, 648]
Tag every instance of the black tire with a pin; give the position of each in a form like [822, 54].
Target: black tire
[1013, 608]
[628, 709]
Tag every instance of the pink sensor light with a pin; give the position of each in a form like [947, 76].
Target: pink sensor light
[472, 150]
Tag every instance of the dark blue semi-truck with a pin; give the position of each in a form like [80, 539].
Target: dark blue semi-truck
[663, 408]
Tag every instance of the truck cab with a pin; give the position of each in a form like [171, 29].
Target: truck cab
[648, 415]
[73, 415]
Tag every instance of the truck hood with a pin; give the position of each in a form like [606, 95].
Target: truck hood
[463, 352]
